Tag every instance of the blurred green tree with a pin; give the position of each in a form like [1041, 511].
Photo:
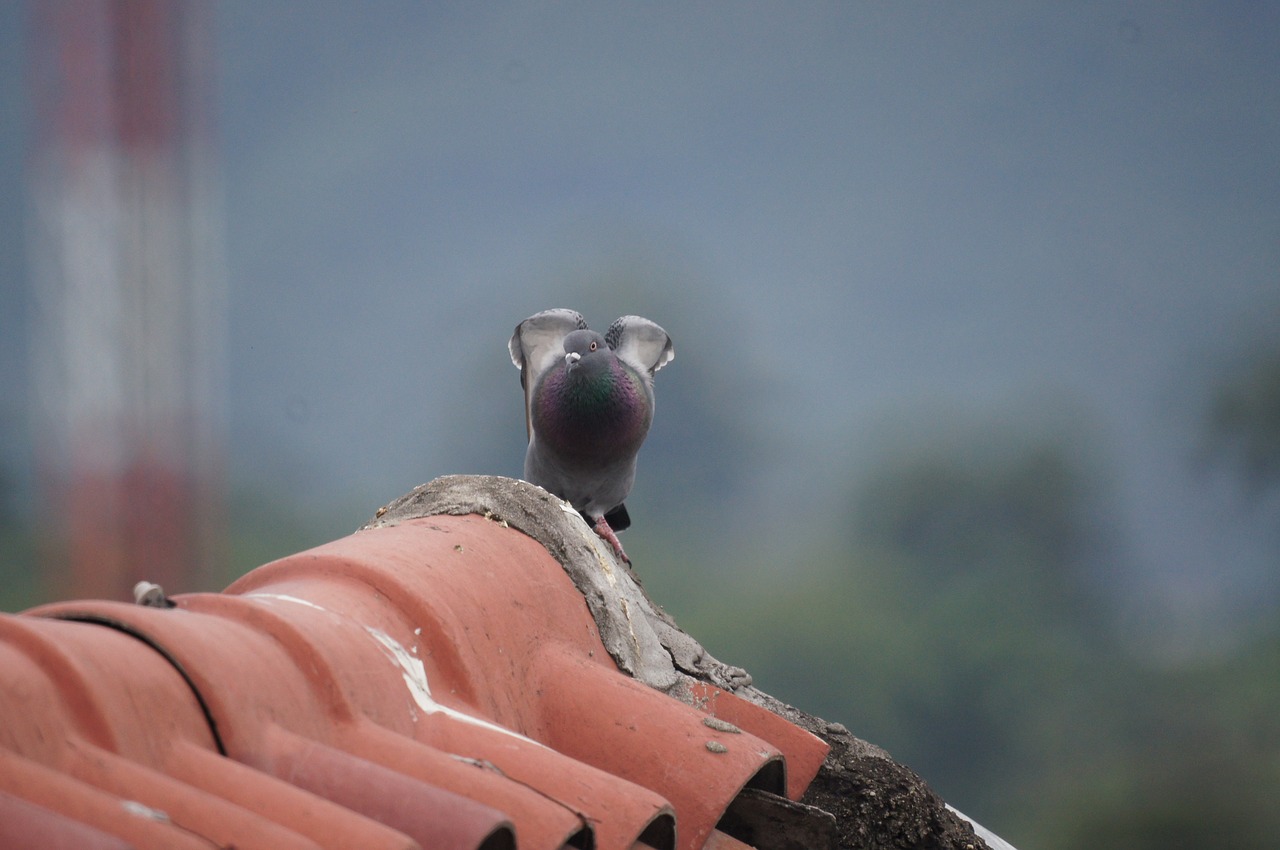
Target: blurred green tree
[995, 539]
[1243, 423]
[958, 624]
[19, 580]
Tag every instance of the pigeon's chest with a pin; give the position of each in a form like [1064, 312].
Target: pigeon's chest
[596, 415]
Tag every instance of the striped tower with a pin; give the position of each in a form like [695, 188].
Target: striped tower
[129, 318]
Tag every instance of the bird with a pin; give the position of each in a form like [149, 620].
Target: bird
[588, 407]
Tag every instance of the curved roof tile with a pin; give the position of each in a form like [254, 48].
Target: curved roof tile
[438, 683]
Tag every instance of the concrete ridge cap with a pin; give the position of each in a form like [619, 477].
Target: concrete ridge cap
[644, 641]
[624, 615]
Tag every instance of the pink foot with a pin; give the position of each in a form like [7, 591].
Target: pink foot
[602, 528]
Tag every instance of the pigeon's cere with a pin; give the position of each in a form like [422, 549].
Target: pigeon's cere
[588, 406]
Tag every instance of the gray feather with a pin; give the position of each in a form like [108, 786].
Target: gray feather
[640, 343]
[536, 346]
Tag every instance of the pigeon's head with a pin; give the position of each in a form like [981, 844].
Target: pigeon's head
[583, 345]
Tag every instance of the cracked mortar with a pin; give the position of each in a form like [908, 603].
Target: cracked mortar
[877, 802]
[642, 638]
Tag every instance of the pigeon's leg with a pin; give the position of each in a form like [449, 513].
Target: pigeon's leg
[602, 528]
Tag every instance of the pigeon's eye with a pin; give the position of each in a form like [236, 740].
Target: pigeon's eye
[594, 346]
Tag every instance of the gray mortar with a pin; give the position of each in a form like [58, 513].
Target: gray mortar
[642, 638]
[876, 802]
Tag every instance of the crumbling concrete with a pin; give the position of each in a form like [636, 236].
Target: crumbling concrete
[875, 801]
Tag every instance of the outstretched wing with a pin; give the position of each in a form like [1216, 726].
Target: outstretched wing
[640, 343]
[536, 345]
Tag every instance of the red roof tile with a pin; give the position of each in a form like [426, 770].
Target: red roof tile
[440, 683]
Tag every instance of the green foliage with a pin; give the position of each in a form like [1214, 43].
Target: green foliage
[963, 629]
[1244, 420]
[949, 514]
[19, 579]
[263, 529]
[1201, 763]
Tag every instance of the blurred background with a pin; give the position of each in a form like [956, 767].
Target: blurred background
[972, 440]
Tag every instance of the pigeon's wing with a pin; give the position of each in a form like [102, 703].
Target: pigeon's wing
[640, 344]
[536, 345]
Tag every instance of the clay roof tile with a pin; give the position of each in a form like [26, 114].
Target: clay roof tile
[439, 684]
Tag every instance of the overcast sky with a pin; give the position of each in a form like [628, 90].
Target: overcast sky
[848, 215]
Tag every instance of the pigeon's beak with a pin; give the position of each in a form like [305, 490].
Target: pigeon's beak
[571, 359]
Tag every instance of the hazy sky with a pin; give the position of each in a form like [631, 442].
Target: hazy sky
[848, 215]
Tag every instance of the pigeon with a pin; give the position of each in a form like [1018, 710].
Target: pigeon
[588, 406]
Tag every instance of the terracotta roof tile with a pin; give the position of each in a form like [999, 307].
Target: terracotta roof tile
[22, 821]
[437, 684]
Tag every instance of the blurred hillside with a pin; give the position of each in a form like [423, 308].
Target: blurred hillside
[960, 617]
